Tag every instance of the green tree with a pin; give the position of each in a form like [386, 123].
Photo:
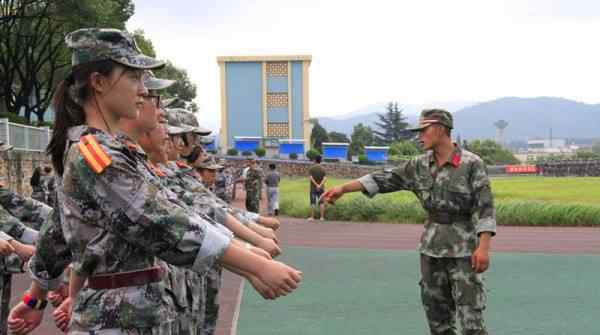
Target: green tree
[405, 148]
[145, 44]
[596, 146]
[33, 55]
[334, 136]
[361, 137]
[318, 135]
[492, 153]
[392, 125]
[183, 88]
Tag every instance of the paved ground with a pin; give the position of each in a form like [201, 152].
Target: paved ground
[317, 234]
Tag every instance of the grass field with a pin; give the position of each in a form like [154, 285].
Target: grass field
[354, 291]
[519, 201]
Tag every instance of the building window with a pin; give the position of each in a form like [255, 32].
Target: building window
[277, 100]
[277, 69]
[278, 129]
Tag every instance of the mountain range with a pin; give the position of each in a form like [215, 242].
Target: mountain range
[527, 118]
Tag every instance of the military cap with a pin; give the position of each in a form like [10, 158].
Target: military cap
[190, 120]
[434, 116]
[168, 103]
[96, 44]
[209, 164]
[174, 126]
[5, 147]
[153, 83]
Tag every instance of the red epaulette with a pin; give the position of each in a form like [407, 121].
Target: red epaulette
[95, 157]
[182, 165]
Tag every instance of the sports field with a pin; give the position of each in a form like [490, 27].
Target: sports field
[359, 291]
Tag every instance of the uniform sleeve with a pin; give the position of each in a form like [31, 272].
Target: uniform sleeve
[24, 209]
[483, 199]
[16, 229]
[5, 237]
[386, 181]
[52, 255]
[143, 216]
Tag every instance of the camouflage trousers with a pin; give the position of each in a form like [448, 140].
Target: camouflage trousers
[197, 302]
[213, 284]
[252, 202]
[450, 289]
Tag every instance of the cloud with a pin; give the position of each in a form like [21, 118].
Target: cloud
[407, 51]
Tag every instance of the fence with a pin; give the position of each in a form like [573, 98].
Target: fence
[24, 138]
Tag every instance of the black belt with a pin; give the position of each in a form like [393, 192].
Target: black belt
[449, 218]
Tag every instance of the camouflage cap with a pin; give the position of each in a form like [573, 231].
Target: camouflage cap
[5, 147]
[153, 83]
[96, 44]
[433, 116]
[209, 164]
[189, 119]
[168, 103]
[174, 126]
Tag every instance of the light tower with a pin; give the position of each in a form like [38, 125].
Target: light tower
[500, 126]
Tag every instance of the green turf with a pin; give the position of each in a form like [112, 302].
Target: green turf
[527, 201]
[353, 291]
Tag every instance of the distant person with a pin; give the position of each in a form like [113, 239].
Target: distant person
[37, 187]
[272, 181]
[253, 184]
[318, 178]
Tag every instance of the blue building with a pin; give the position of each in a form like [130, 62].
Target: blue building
[338, 151]
[377, 154]
[264, 97]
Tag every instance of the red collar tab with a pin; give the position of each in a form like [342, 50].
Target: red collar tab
[455, 160]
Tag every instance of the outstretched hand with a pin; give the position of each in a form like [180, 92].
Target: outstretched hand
[332, 195]
[24, 319]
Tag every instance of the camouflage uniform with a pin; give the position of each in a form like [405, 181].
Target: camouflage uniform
[253, 185]
[450, 194]
[27, 210]
[116, 221]
[202, 200]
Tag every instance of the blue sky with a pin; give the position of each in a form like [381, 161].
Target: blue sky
[364, 52]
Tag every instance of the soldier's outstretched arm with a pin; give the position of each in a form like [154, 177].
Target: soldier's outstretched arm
[336, 192]
[385, 181]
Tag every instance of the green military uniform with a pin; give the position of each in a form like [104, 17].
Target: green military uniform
[459, 203]
[253, 185]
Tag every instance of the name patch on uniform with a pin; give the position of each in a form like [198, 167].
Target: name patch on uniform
[95, 157]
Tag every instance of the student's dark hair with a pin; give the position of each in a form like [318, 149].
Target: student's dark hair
[272, 166]
[36, 177]
[67, 103]
[194, 154]
[318, 158]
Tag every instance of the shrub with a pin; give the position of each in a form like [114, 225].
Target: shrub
[232, 152]
[260, 152]
[312, 154]
[293, 156]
